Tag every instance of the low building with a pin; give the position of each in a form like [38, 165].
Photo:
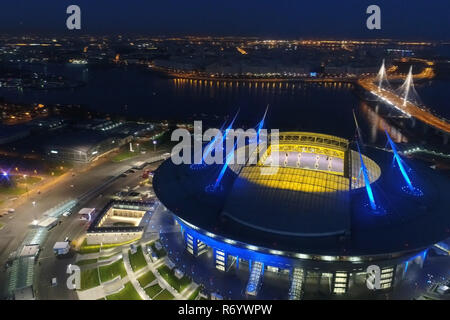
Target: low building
[47, 223]
[119, 221]
[47, 124]
[83, 146]
[30, 250]
[25, 293]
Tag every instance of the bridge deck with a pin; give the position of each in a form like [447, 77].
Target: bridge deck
[409, 108]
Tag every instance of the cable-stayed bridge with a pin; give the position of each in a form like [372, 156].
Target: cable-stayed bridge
[405, 98]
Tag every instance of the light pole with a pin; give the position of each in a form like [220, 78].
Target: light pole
[26, 184]
[154, 145]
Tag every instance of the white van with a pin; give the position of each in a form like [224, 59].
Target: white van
[66, 214]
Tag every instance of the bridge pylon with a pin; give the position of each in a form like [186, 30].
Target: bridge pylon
[381, 80]
[407, 91]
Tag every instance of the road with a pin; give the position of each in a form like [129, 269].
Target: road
[50, 266]
[408, 107]
[17, 224]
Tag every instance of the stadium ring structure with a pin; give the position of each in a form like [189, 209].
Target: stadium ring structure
[311, 218]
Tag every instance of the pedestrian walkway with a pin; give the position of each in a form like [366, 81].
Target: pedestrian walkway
[153, 268]
[190, 289]
[103, 290]
[96, 255]
[132, 275]
[118, 283]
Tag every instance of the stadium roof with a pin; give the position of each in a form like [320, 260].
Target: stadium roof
[311, 211]
[291, 202]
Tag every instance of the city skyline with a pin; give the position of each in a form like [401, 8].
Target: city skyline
[286, 19]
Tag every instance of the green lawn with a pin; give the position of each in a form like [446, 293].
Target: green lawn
[89, 249]
[126, 154]
[28, 180]
[169, 276]
[58, 168]
[12, 191]
[123, 224]
[89, 279]
[160, 253]
[164, 295]
[127, 293]
[112, 270]
[87, 261]
[146, 278]
[195, 293]
[137, 260]
[153, 290]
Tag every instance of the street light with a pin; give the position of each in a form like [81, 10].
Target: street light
[154, 145]
[26, 184]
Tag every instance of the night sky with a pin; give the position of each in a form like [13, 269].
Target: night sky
[405, 19]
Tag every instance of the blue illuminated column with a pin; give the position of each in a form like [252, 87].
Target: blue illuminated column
[260, 125]
[399, 162]
[406, 268]
[366, 180]
[420, 258]
[424, 256]
[220, 259]
[230, 126]
[229, 157]
[218, 139]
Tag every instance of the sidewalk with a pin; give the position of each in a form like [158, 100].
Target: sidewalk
[99, 263]
[153, 268]
[103, 290]
[132, 276]
[96, 255]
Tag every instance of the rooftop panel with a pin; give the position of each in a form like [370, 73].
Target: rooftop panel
[292, 201]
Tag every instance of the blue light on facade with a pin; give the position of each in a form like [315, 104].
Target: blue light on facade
[237, 251]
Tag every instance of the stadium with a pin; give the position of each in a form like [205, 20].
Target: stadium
[331, 209]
